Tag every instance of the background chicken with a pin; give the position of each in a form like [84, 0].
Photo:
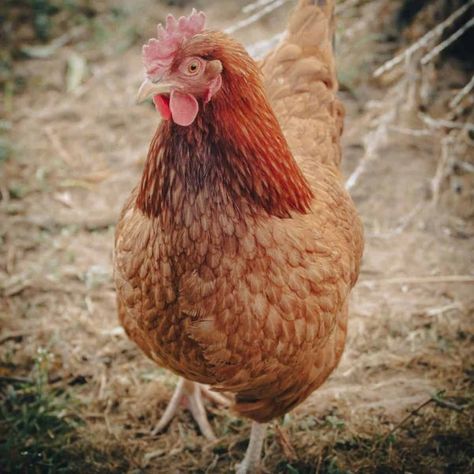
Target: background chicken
[236, 253]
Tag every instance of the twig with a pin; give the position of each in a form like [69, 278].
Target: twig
[102, 387]
[433, 399]
[164, 453]
[440, 123]
[426, 279]
[435, 51]
[402, 224]
[90, 223]
[411, 414]
[443, 309]
[439, 176]
[250, 7]
[256, 16]
[116, 331]
[285, 443]
[41, 52]
[461, 108]
[212, 466]
[465, 166]
[447, 404]
[456, 100]
[318, 465]
[58, 146]
[7, 379]
[372, 142]
[405, 220]
[259, 49]
[414, 132]
[423, 41]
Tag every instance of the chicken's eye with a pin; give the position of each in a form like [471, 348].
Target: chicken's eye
[193, 67]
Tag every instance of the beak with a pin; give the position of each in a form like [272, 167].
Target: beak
[149, 88]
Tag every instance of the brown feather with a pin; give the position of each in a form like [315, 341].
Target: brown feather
[235, 256]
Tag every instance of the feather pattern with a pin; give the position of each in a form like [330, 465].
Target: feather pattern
[236, 254]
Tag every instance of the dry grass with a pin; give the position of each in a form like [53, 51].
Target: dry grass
[90, 397]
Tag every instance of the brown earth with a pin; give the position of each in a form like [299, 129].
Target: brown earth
[76, 155]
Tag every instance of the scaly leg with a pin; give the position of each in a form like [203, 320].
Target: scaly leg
[252, 456]
[191, 393]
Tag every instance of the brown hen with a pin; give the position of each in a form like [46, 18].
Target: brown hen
[236, 253]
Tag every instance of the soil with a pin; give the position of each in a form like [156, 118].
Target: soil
[76, 155]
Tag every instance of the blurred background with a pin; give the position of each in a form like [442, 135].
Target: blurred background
[76, 395]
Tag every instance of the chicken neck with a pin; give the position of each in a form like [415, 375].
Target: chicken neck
[234, 152]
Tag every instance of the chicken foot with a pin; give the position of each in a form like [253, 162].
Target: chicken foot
[191, 393]
[251, 461]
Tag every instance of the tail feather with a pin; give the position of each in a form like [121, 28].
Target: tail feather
[309, 35]
[301, 83]
[312, 23]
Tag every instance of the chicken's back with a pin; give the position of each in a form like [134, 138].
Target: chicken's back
[301, 84]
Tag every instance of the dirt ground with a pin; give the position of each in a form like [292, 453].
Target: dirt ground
[400, 401]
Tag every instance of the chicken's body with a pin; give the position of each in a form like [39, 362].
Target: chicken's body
[233, 268]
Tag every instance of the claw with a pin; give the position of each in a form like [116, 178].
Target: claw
[191, 393]
[215, 397]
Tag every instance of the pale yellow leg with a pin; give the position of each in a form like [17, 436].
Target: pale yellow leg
[251, 461]
[191, 394]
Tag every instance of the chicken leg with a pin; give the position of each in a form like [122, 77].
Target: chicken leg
[191, 393]
[252, 456]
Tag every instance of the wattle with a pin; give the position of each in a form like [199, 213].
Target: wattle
[162, 104]
[182, 108]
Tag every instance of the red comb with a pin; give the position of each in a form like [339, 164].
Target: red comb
[158, 52]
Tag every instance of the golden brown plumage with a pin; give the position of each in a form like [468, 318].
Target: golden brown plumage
[236, 254]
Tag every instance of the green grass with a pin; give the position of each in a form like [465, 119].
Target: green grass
[41, 430]
[36, 423]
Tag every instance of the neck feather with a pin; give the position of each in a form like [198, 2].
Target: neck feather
[234, 152]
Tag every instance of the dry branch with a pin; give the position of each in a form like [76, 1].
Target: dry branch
[410, 415]
[372, 142]
[255, 17]
[439, 176]
[447, 404]
[456, 100]
[443, 309]
[89, 223]
[58, 146]
[285, 443]
[414, 132]
[424, 40]
[461, 108]
[250, 7]
[449, 124]
[436, 399]
[438, 49]
[259, 49]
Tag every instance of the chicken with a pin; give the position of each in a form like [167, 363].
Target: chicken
[236, 253]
